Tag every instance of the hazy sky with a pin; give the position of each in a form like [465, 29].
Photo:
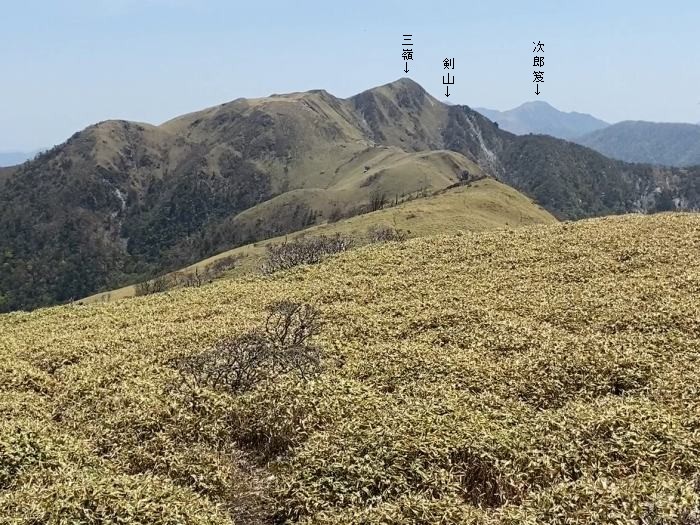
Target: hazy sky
[65, 64]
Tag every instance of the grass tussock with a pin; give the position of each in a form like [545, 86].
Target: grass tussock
[544, 375]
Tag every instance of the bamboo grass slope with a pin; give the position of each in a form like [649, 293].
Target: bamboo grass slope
[547, 374]
[482, 205]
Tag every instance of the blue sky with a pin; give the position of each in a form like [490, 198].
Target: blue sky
[69, 63]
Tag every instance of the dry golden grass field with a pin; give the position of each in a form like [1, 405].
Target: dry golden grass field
[546, 374]
[483, 205]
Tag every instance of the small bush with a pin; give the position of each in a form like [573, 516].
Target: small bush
[382, 233]
[222, 265]
[157, 285]
[377, 200]
[191, 280]
[281, 346]
[309, 250]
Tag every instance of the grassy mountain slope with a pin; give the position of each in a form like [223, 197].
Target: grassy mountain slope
[541, 118]
[547, 374]
[651, 142]
[381, 172]
[483, 205]
[122, 201]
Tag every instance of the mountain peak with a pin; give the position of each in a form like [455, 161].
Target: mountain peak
[535, 104]
[402, 114]
[402, 85]
[540, 117]
[405, 82]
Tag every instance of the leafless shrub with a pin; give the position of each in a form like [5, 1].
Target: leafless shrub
[234, 364]
[464, 176]
[157, 285]
[190, 279]
[382, 233]
[224, 264]
[377, 200]
[281, 346]
[424, 188]
[288, 328]
[304, 250]
[213, 270]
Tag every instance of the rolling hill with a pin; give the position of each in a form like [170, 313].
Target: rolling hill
[665, 144]
[123, 201]
[482, 205]
[120, 200]
[544, 374]
[543, 119]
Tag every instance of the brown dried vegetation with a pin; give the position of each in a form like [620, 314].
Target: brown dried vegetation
[237, 364]
[542, 375]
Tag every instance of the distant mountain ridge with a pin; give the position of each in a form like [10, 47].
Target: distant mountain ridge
[123, 201]
[539, 117]
[667, 144]
[12, 158]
